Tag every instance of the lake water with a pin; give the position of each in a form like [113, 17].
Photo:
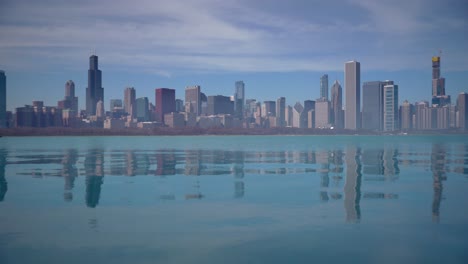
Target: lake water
[234, 199]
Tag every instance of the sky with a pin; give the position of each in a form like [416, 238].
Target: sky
[278, 48]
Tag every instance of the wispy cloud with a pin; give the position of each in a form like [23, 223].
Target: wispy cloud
[165, 37]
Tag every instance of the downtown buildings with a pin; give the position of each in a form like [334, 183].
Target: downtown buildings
[380, 107]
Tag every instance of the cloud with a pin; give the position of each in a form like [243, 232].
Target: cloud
[166, 37]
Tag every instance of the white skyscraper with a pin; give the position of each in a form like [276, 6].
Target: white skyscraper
[353, 95]
[390, 107]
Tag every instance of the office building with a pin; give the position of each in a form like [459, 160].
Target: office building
[239, 98]
[100, 112]
[406, 116]
[390, 120]
[324, 86]
[372, 105]
[179, 105]
[296, 115]
[174, 120]
[165, 103]
[70, 101]
[337, 115]
[280, 112]
[219, 104]
[3, 115]
[129, 101]
[462, 106]
[353, 95]
[142, 109]
[439, 98]
[289, 116]
[269, 108]
[322, 114]
[193, 102]
[115, 103]
[94, 91]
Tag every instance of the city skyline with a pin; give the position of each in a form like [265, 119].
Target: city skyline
[268, 46]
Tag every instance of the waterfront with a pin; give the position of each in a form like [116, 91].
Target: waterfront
[234, 199]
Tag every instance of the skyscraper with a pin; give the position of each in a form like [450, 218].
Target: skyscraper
[94, 91]
[115, 103]
[100, 112]
[193, 99]
[372, 105]
[322, 113]
[239, 98]
[337, 105]
[129, 101]
[142, 109]
[2, 99]
[269, 108]
[390, 121]
[438, 84]
[353, 95]
[324, 86]
[280, 112]
[219, 104]
[165, 103]
[462, 105]
[406, 115]
[70, 101]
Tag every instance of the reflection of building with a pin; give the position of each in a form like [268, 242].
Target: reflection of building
[438, 163]
[372, 161]
[94, 171]
[352, 188]
[239, 189]
[166, 163]
[69, 172]
[3, 182]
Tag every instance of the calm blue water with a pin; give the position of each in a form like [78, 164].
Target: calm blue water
[234, 199]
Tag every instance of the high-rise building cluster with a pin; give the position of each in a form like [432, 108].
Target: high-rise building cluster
[379, 110]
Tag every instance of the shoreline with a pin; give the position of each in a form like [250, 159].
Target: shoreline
[165, 131]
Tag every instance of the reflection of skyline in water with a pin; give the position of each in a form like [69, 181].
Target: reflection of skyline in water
[3, 182]
[352, 188]
[438, 168]
[340, 172]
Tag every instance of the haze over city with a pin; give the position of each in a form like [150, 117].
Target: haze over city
[277, 48]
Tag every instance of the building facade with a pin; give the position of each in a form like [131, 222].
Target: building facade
[390, 121]
[94, 91]
[324, 86]
[337, 115]
[193, 102]
[462, 106]
[372, 105]
[239, 99]
[129, 101]
[353, 95]
[165, 103]
[281, 112]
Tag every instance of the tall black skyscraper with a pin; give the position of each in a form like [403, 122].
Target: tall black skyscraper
[95, 91]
